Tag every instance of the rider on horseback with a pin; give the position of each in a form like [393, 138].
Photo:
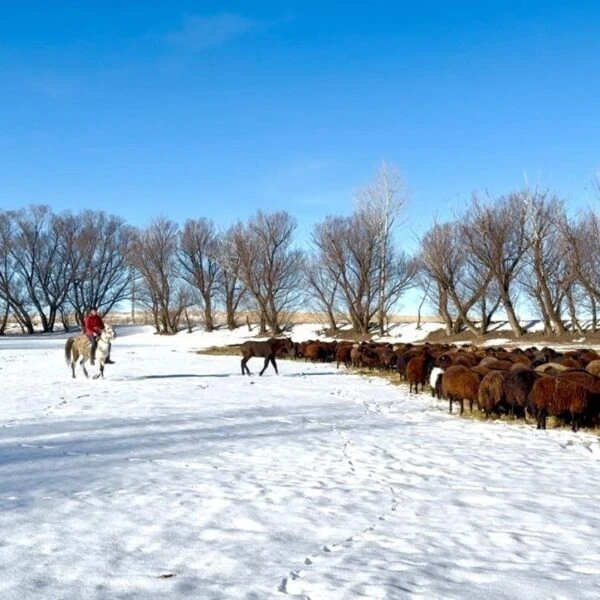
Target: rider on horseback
[93, 326]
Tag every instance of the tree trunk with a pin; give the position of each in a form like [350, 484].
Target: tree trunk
[262, 323]
[510, 312]
[4, 321]
[575, 325]
[557, 324]
[443, 310]
[209, 324]
[332, 322]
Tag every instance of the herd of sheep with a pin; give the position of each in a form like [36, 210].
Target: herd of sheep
[524, 383]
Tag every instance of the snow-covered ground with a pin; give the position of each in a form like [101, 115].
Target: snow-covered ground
[177, 477]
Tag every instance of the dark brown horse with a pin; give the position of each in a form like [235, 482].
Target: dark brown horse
[268, 349]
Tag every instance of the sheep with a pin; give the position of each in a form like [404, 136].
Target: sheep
[315, 351]
[491, 395]
[459, 383]
[403, 359]
[559, 397]
[387, 357]
[550, 366]
[517, 387]
[435, 382]
[582, 377]
[493, 363]
[568, 362]
[593, 367]
[417, 371]
[342, 354]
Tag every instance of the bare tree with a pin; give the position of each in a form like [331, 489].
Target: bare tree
[269, 265]
[545, 273]
[458, 286]
[582, 253]
[230, 287]
[322, 288]
[154, 255]
[496, 238]
[36, 259]
[12, 287]
[382, 204]
[198, 257]
[98, 247]
[349, 252]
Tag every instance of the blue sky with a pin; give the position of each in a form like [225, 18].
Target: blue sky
[215, 109]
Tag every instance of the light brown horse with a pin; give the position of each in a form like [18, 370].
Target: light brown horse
[267, 349]
[79, 348]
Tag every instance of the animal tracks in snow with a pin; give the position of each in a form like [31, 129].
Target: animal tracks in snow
[292, 584]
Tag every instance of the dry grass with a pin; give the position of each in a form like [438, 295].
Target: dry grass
[231, 350]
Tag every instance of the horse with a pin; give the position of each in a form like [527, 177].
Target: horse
[267, 349]
[79, 348]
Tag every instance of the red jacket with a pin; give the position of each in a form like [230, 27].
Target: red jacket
[93, 324]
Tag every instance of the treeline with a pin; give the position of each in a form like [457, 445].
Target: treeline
[521, 249]
[54, 266]
[499, 256]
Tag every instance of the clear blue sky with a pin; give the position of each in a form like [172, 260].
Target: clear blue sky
[215, 109]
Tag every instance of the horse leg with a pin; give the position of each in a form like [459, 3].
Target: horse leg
[73, 368]
[265, 365]
[83, 368]
[100, 373]
[274, 364]
[245, 368]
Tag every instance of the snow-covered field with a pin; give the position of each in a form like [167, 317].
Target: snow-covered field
[176, 477]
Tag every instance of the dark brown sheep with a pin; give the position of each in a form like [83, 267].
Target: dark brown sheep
[417, 371]
[315, 352]
[403, 359]
[459, 383]
[342, 354]
[517, 387]
[559, 397]
[491, 396]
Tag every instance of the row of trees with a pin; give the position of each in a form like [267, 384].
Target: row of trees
[502, 255]
[55, 266]
[523, 250]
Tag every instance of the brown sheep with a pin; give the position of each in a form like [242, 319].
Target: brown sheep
[491, 395]
[459, 383]
[403, 359]
[498, 365]
[417, 371]
[387, 357]
[315, 352]
[593, 367]
[583, 378]
[342, 354]
[559, 397]
[570, 363]
[517, 387]
[588, 355]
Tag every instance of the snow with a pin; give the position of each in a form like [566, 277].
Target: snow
[177, 477]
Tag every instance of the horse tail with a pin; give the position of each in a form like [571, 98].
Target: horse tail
[68, 348]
